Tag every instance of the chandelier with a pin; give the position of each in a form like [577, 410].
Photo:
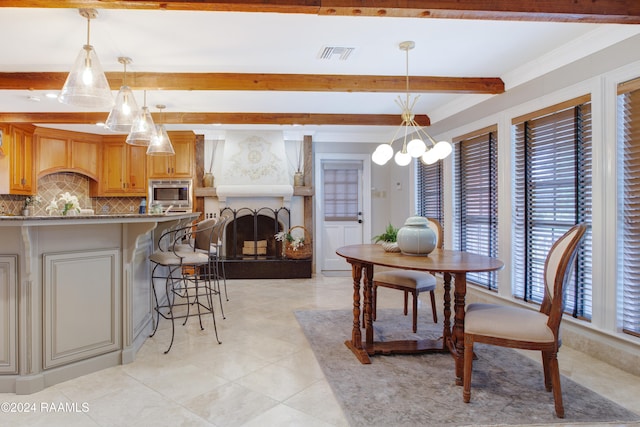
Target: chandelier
[413, 143]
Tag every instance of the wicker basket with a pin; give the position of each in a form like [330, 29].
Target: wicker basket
[302, 252]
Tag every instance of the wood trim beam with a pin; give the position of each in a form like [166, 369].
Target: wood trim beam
[598, 11]
[264, 82]
[222, 118]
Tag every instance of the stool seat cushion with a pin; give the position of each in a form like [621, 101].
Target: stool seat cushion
[511, 323]
[417, 280]
[179, 258]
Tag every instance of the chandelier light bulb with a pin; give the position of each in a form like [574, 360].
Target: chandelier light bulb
[377, 158]
[402, 158]
[87, 73]
[416, 147]
[442, 149]
[430, 157]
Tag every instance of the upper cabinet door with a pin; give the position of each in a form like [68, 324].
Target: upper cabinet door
[180, 165]
[22, 172]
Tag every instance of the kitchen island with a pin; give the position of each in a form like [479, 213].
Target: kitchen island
[75, 294]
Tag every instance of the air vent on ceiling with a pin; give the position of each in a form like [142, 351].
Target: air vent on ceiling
[328, 52]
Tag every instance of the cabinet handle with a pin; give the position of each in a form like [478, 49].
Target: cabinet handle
[23, 181]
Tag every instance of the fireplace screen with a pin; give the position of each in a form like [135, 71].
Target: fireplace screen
[250, 233]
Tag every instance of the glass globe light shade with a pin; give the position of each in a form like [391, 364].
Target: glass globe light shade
[378, 158]
[443, 149]
[386, 152]
[430, 157]
[402, 159]
[416, 147]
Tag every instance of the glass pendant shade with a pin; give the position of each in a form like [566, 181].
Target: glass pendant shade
[443, 149]
[383, 154]
[416, 147]
[124, 112]
[143, 129]
[402, 158]
[430, 157]
[161, 144]
[86, 85]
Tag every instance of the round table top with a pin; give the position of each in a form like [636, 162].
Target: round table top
[440, 260]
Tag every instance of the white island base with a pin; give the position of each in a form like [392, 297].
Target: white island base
[75, 294]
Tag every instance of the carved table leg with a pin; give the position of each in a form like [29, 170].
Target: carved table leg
[355, 345]
[368, 306]
[446, 334]
[460, 292]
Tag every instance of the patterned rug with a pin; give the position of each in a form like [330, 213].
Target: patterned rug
[419, 390]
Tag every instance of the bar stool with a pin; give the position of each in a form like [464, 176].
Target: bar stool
[181, 267]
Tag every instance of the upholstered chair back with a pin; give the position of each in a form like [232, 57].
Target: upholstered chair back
[557, 272]
[434, 224]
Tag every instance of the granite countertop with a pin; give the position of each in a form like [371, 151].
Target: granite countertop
[97, 218]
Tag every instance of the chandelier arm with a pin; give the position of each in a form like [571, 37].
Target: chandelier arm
[394, 136]
[424, 132]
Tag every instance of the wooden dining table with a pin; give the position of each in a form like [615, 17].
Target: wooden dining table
[450, 263]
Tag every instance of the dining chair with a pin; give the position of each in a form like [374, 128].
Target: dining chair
[526, 329]
[410, 282]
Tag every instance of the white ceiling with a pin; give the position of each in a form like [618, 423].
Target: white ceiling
[184, 41]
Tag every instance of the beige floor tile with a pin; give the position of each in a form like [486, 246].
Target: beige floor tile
[263, 374]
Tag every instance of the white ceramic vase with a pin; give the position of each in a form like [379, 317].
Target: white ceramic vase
[416, 237]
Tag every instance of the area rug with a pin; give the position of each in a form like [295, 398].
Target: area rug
[419, 390]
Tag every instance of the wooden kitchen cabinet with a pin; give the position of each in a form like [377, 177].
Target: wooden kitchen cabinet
[181, 165]
[17, 173]
[123, 169]
[63, 151]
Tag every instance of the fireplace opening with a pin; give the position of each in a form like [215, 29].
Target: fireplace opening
[250, 233]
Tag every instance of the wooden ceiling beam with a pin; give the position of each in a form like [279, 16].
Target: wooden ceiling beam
[222, 118]
[265, 82]
[597, 11]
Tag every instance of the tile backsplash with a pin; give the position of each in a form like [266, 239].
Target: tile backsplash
[51, 186]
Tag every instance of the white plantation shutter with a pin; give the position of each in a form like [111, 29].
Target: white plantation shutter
[552, 193]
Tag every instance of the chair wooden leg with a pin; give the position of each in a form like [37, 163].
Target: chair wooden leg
[433, 306]
[468, 365]
[406, 299]
[554, 371]
[415, 311]
[546, 359]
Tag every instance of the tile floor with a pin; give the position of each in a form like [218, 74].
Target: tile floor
[263, 374]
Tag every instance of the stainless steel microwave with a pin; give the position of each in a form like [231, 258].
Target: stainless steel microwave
[176, 195]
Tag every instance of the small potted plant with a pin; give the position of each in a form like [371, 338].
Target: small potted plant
[388, 239]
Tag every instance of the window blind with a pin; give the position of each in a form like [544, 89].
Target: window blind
[552, 193]
[477, 201]
[429, 191]
[629, 232]
[340, 192]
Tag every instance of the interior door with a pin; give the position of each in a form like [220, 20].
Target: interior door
[342, 212]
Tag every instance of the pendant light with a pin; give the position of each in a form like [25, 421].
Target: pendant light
[160, 144]
[143, 128]
[431, 151]
[126, 109]
[86, 85]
